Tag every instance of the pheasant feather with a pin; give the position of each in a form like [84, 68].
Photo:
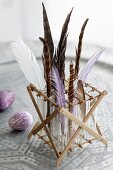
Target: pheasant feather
[47, 65]
[71, 95]
[79, 49]
[71, 87]
[47, 70]
[47, 32]
[59, 58]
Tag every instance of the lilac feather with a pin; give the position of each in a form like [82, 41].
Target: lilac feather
[83, 74]
[58, 86]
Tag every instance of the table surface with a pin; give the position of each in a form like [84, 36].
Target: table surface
[17, 153]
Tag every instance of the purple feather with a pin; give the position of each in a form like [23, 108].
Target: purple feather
[58, 86]
[83, 74]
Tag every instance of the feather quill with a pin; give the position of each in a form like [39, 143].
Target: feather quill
[79, 48]
[27, 63]
[83, 74]
[47, 32]
[58, 87]
[59, 58]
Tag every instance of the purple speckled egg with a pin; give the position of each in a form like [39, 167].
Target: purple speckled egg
[6, 99]
[20, 120]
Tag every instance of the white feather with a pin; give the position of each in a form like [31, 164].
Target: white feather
[28, 64]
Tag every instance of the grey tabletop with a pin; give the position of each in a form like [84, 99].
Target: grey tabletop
[17, 153]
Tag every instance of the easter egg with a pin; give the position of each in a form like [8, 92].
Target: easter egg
[6, 99]
[20, 120]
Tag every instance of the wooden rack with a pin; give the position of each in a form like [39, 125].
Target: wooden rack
[91, 93]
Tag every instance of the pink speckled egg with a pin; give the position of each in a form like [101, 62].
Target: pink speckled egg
[20, 120]
[6, 99]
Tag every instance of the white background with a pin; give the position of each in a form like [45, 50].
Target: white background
[24, 17]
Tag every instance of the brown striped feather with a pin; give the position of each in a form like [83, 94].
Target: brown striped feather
[47, 32]
[79, 49]
[47, 70]
[61, 49]
[71, 93]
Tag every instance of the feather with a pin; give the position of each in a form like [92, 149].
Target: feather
[81, 94]
[55, 59]
[61, 49]
[64, 30]
[71, 95]
[47, 65]
[62, 60]
[71, 86]
[58, 87]
[47, 70]
[83, 74]
[27, 63]
[59, 59]
[44, 67]
[47, 32]
[81, 88]
[79, 48]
